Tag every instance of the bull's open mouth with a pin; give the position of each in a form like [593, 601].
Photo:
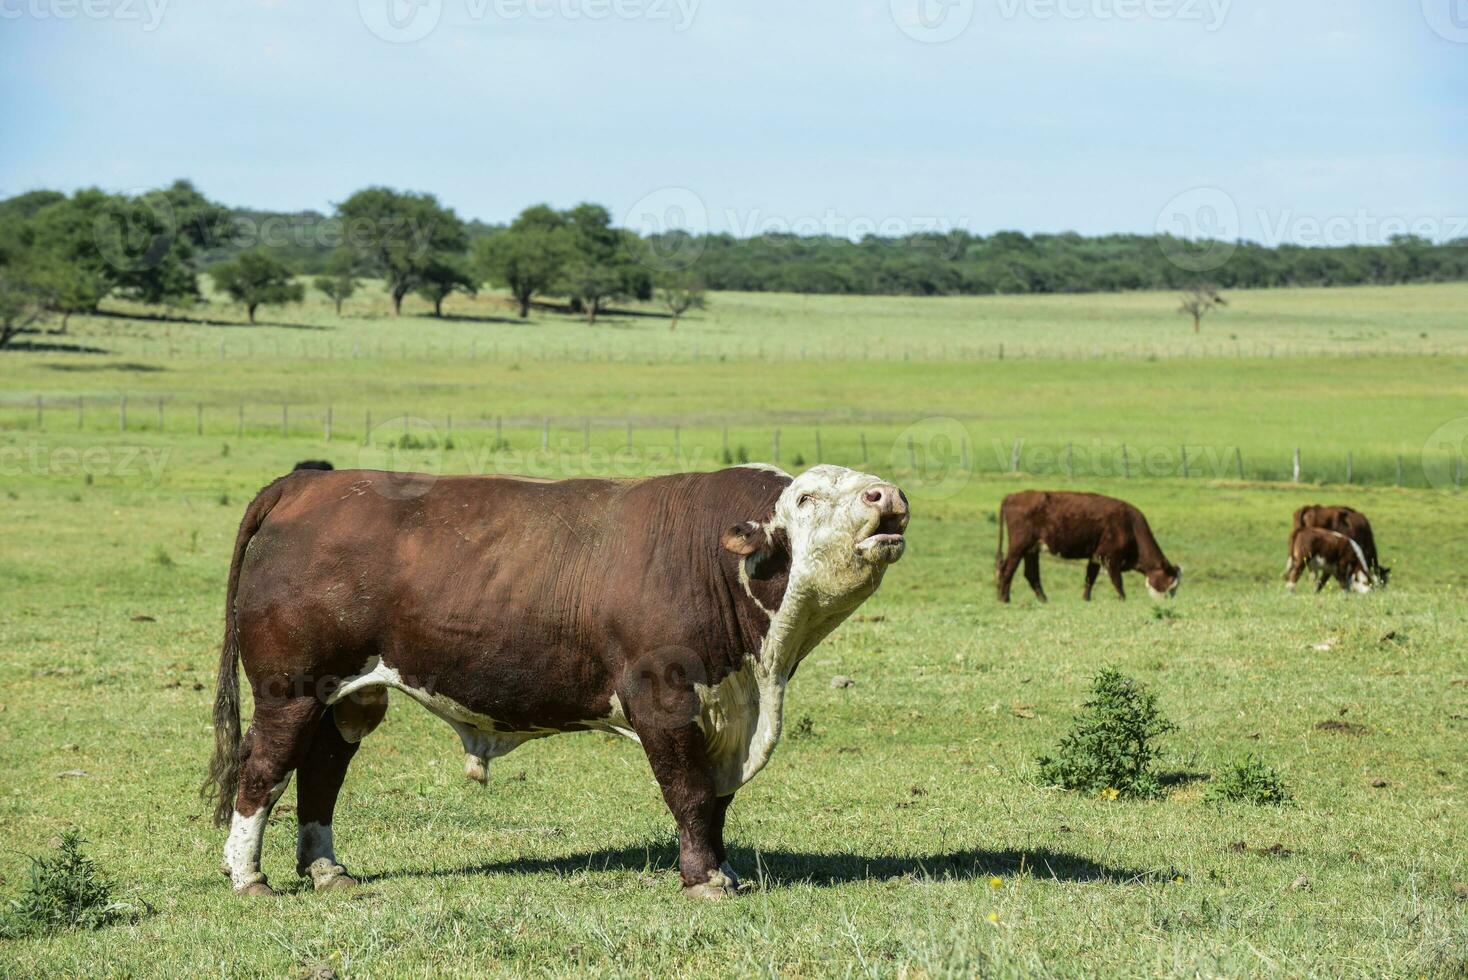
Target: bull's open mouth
[885, 542]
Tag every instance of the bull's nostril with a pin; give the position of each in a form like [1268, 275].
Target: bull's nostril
[875, 495]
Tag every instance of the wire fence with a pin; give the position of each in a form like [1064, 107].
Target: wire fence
[937, 451]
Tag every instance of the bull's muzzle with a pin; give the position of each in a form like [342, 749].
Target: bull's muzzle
[882, 541]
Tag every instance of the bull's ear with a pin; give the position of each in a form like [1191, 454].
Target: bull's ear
[745, 539]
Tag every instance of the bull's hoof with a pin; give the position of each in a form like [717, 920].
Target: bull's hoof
[328, 876]
[722, 883]
[256, 889]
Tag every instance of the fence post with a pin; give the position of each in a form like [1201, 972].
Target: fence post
[1126, 464]
[1399, 469]
[863, 449]
[1239, 462]
[963, 453]
[160, 415]
[199, 419]
[448, 424]
[241, 432]
[328, 423]
[586, 435]
[1350, 466]
[677, 443]
[1296, 477]
[40, 421]
[1184, 451]
[545, 433]
[775, 447]
[122, 414]
[367, 429]
[726, 444]
[1014, 455]
[285, 420]
[818, 445]
[911, 459]
[1070, 468]
[79, 400]
[499, 435]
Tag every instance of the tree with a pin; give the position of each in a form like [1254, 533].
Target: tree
[680, 297]
[255, 279]
[1199, 301]
[528, 257]
[398, 235]
[340, 280]
[21, 299]
[444, 276]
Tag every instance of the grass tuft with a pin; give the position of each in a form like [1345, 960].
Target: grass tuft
[1111, 749]
[66, 891]
[1249, 780]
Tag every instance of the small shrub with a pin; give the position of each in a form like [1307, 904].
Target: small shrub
[1114, 742]
[799, 460]
[1248, 780]
[804, 727]
[161, 557]
[728, 457]
[88, 479]
[224, 449]
[66, 891]
[224, 500]
[194, 541]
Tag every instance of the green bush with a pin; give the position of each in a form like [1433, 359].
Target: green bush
[66, 891]
[1248, 780]
[1114, 742]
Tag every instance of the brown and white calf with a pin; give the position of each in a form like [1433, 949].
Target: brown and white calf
[1354, 525]
[670, 610]
[1332, 554]
[1103, 531]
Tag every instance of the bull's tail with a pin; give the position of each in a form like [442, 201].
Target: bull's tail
[223, 781]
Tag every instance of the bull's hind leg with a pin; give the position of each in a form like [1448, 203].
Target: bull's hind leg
[1004, 571]
[1093, 569]
[319, 781]
[1032, 574]
[277, 740]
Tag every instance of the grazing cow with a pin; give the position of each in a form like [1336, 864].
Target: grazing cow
[671, 610]
[312, 464]
[1330, 553]
[1354, 525]
[1101, 530]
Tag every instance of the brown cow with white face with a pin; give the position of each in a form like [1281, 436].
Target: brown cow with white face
[1331, 554]
[1354, 525]
[671, 610]
[1102, 531]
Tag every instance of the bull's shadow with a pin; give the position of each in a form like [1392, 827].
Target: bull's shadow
[780, 867]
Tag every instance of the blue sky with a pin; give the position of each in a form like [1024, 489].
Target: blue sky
[1303, 120]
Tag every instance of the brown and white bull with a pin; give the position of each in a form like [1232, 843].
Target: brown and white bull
[1101, 530]
[1354, 525]
[671, 610]
[1331, 553]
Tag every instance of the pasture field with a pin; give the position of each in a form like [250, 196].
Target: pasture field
[900, 828]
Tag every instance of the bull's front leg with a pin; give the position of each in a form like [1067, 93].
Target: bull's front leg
[683, 772]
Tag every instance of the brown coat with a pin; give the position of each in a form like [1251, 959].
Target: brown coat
[1102, 531]
[1332, 554]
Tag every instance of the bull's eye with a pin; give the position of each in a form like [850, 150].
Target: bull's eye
[805, 498]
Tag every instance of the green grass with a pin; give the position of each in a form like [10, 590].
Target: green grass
[876, 837]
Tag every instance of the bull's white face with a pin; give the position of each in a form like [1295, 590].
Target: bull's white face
[844, 528]
[1361, 581]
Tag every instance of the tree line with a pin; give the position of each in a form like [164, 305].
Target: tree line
[61, 255]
